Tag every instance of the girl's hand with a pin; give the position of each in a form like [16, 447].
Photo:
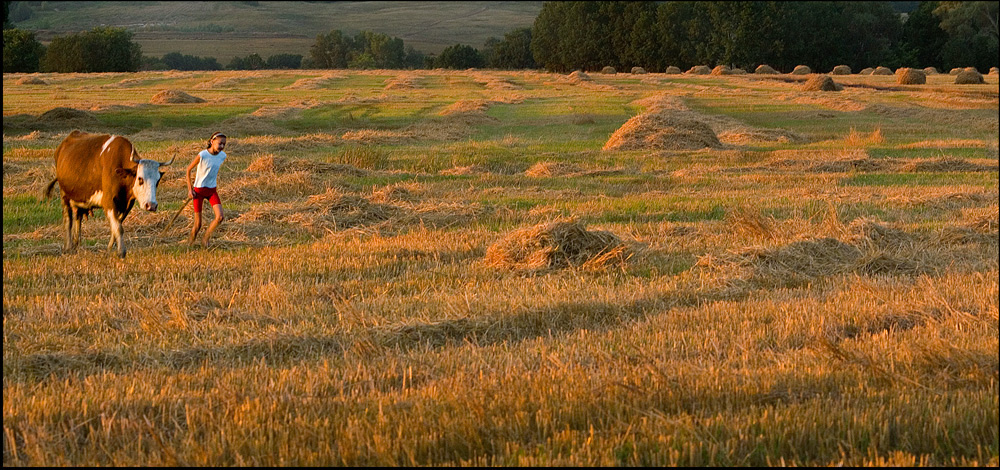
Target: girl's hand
[191, 193]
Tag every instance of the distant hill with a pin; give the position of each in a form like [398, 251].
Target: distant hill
[227, 29]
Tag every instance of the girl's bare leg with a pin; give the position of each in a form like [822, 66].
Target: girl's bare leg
[219, 217]
[195, 228]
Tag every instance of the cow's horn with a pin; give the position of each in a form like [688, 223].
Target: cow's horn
[171, 160]
[134, 157]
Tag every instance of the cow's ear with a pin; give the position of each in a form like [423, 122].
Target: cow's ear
[125, 172]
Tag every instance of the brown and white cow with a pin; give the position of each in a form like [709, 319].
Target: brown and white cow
[102, 171]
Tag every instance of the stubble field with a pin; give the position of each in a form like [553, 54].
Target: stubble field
[817, 286]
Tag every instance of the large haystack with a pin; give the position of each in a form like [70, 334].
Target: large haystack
[821, 83]
[802, 70]
[699, 70]
[866, 71]
[969, 77]
[174, 97]
[609, 70]
[841, 70]
[908, 76]
[882, 71]
[662, 130]
[638, 70]
[931, 71]
[994, 71]
[721, 70]
[955, 71]
[672, 70]
[558, 244]
[765, 69]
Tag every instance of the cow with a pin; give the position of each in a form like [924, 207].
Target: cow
[102, 171]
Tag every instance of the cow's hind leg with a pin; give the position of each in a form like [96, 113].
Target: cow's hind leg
[117, 232]
[70, 213]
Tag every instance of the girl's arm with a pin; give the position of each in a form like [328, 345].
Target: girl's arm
[187, 174]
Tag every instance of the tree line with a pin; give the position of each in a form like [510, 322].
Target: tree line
[590, 35]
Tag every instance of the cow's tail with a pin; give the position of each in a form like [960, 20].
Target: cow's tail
[48, 189]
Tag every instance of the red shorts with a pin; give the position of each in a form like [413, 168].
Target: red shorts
[202, 193]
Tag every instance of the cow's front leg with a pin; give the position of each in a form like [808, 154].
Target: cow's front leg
[78, 215]
[117, 233]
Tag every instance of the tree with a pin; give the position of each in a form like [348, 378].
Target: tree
[250, 62]
[330, 50]
[459, 56]
[513, 52]
[22, 53]
[284, 61]
[922, 36]
[101, 49]
[972, 33]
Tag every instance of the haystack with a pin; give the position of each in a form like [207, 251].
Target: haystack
[972, 69]
[908, 76]
[737, 71]
[174, 97]
[579, 76]
[65, 118]
[31, 80]
[672, 70]
[969, 77]
[994, 71]
[955, 71]
[638, 70]
[841, 70]
[821, 83]
[609, 70]
[557, 244]
[699, 70]
[802, 70]
[662, 130]
[866, 71]
[882, 71]
[721, 70]
[931, 71]
[765, 69]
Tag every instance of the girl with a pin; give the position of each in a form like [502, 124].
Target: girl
[208, 162]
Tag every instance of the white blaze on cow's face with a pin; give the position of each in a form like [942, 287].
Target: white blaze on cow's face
[147, 177]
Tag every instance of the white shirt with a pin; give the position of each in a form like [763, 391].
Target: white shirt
[208, 169]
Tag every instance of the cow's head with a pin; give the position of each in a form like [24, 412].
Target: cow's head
[147, 175]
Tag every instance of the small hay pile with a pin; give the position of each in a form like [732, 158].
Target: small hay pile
[765, 69]
[557, 244]
[955, 71]
[31, 80]
[638, 70]
[866, 71]
[841, 70]
[221, 83]
[721, 70]
[313, 83]
[402, 82]
[699, 70]
[549, 169]
[801, 70]
[272, 164]
[321, 212]
[994, 71]
[469, 112]
[931, 71]
[672, 70]
[174, 97]
[821, 83]
[737, 71]
[969, 77]
[608, 70]
[882, 71]
[662, 130]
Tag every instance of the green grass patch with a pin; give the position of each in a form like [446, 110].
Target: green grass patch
[988, 179]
